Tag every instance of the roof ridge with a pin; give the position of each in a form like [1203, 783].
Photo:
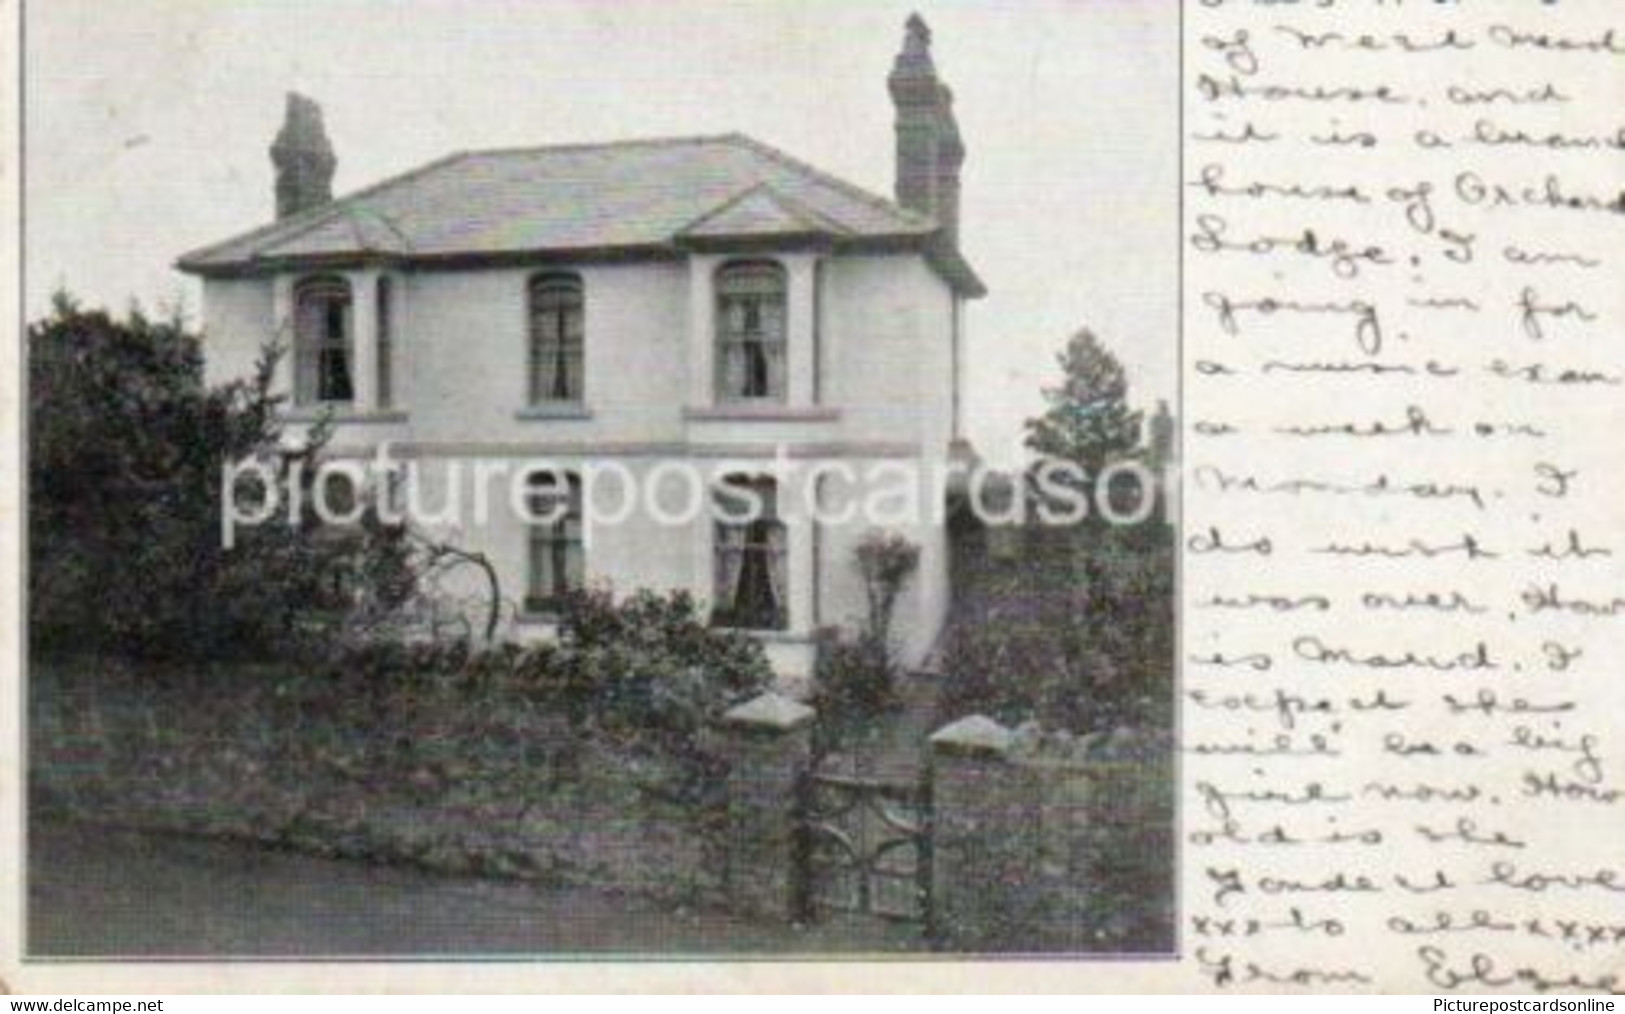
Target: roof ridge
[670, 141]
[828, 179]
[313, 218]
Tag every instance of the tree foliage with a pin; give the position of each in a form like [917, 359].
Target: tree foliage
[1077, 634]
[126, 447]
[1088, 420]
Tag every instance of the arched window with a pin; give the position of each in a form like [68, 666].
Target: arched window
[557, 555]
[752, 586]
[323, 344]
[751, 331]
[557, 339]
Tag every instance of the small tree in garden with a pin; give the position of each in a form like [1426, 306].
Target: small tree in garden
[860, 674]
[887, 562]
[1088, 420]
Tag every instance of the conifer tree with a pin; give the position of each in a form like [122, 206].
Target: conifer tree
[1089, 420]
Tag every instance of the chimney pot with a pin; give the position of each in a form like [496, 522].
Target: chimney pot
[917, 38]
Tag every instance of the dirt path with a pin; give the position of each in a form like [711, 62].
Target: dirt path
[105, 893]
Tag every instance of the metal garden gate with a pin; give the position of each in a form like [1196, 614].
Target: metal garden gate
[865, 847]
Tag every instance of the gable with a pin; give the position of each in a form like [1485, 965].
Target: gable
[759, 213]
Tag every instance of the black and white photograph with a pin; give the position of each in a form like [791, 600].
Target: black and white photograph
[808, 497]
[568, 480]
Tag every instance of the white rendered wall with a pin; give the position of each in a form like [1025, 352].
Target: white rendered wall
[884, 393]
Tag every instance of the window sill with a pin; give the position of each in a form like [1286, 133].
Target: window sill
[768, 636]
[761, 413]
[532, 413]
[340, 414]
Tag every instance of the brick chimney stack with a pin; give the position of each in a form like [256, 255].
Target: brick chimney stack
[303, 158]
[929, 149]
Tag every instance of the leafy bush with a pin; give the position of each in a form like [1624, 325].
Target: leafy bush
[854, 677]
[650, 664]
[126, 447]
[1077, 633]
[644, 673]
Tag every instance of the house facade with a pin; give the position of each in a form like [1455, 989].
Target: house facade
[611, 319]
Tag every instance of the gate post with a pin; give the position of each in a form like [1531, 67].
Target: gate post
[769, 748]
[984, 843]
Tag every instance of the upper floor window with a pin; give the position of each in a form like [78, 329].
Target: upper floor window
[751, 324]
[557, 339]
[557, 554]
[752, 591]
[323, 342]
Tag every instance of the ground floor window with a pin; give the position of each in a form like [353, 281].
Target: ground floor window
[752, 590]
[557, 554]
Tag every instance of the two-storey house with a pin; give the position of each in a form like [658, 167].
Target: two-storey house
[640, 308]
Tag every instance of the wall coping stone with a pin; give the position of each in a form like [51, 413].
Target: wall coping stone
[770, 713]
[974, 734]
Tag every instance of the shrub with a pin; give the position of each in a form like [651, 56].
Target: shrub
[854, 677]
[644, 664]
[126, 446]
[650, 663]
[1077, 633]
[644, 675]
